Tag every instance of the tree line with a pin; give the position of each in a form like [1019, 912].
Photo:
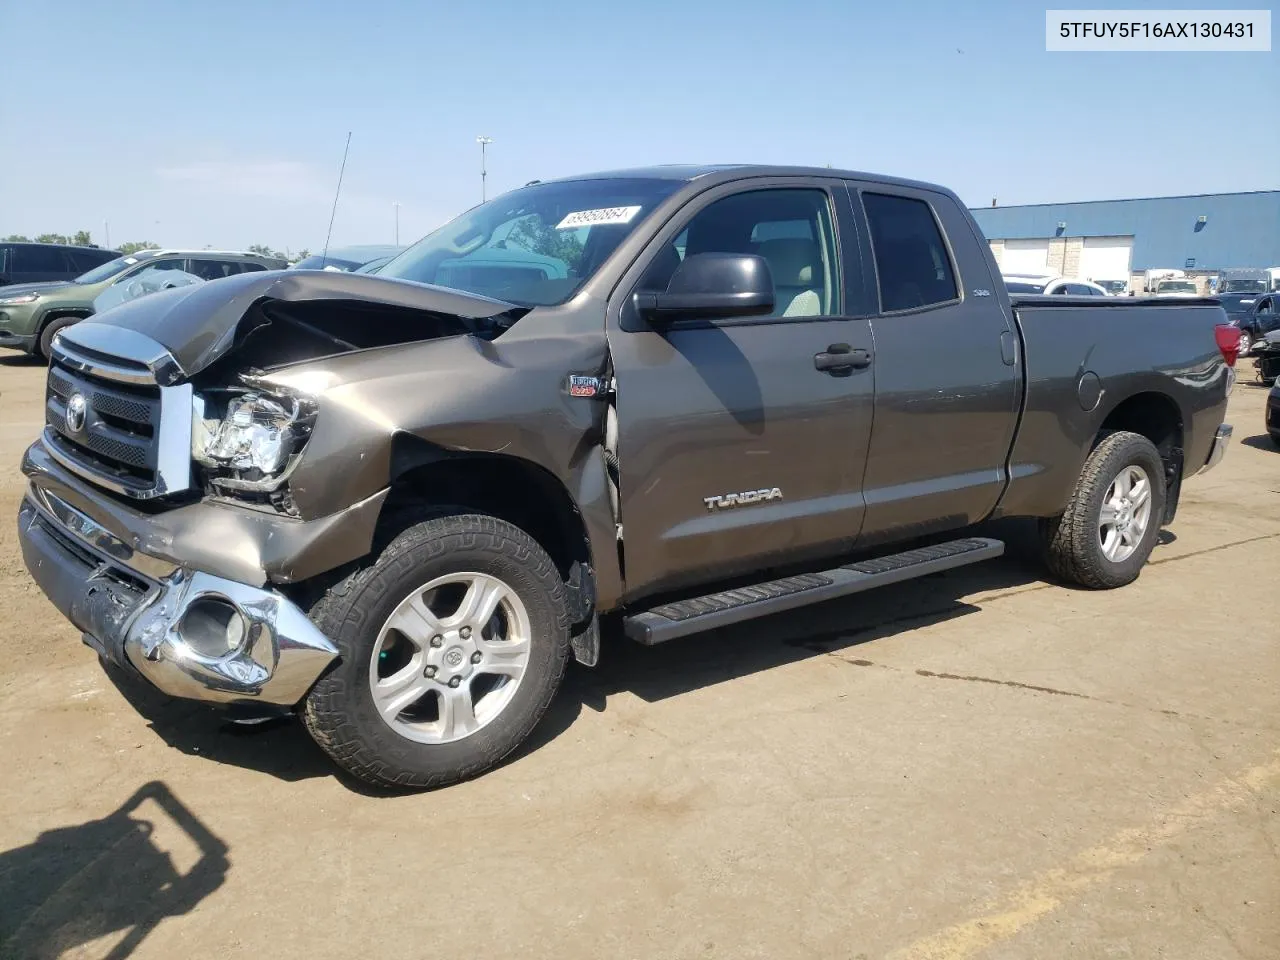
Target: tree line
[82, 238]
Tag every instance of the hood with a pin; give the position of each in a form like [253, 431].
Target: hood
[13, 289]
[198, 324]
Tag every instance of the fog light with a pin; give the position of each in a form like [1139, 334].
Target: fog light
[212, 627]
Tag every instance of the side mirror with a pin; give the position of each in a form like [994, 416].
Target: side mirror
[712, 285]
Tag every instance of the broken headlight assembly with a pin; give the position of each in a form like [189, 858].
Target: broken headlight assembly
[249, 440]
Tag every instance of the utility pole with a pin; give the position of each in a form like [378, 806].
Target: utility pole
[106, 232]
[397, 208]
[484, 142]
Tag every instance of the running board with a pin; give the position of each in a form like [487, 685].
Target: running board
[684, 617]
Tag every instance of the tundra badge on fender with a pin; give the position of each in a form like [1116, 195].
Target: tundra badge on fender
[746, 498]
[580, 386]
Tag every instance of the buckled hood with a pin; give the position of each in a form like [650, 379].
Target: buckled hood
[200, 323]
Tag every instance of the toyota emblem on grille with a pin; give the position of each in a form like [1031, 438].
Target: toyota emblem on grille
[77, 408]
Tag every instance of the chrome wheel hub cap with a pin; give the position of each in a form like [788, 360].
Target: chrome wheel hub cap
[450, 657]
[1126, 514]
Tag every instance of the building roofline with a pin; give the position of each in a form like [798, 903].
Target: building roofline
[1179, 196]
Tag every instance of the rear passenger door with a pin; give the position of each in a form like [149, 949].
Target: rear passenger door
[709, 408]
[947, 376]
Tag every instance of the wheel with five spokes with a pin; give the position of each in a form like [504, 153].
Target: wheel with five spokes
[452, 645]
[1111, 523]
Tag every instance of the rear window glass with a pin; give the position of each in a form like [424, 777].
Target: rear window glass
[912, 264]
[37, 259]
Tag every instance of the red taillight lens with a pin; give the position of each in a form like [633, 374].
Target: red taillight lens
[1228, 338]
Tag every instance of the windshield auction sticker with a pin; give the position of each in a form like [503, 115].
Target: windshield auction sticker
[595, 218]
[1180, 31]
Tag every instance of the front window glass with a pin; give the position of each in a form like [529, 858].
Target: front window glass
[536, 245]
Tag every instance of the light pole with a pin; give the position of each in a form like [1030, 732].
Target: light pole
[396, 204]
[484, 142]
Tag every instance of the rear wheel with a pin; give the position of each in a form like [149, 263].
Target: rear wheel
[45, 343]
[1104, 537]
[451, 647]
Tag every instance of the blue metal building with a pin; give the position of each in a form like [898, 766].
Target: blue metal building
[1119, 239]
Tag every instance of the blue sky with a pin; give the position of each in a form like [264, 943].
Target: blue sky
[223, 123]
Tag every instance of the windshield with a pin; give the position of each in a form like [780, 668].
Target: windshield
[1177, 286]
[1018, 286]
[1243, 286]
[107, 270]
[532, 246]
[320, 262]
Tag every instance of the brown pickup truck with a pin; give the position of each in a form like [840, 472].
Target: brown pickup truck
[666, 399]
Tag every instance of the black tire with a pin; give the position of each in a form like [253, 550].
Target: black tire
[1072, 548]
[53, 326]
[1275, 437]
[340, 713]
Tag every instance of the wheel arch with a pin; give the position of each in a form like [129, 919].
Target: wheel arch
[1157, 417]
[423, 475]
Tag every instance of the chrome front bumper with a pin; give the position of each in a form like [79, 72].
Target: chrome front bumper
[1219, 448]
[134, 611]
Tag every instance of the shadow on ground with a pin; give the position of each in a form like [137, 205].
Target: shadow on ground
[1262, 442]
[116, 878]
[20, 360]
[283, 749]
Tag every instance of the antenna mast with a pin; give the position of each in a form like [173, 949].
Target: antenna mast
[334, 212]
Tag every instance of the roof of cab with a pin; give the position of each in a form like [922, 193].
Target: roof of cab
[728, 171]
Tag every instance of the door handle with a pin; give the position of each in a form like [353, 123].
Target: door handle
[840, 358]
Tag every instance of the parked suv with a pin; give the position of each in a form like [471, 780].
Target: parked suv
[30, 314]
[36, 262]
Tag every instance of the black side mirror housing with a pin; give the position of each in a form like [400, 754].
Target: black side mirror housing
[708, 285]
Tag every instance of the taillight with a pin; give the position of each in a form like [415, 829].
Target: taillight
[1228, 338]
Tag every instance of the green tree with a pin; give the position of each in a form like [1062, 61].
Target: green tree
[53, 238]
[544, 239]
[17, 238]
[82, 238]
[133, 246]
[262, 250]
[303, 253]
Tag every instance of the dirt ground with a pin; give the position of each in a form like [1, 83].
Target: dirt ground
[975, 765]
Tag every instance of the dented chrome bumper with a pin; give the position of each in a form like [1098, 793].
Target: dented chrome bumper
[191, 634]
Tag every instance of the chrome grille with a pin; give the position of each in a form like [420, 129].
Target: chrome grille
[125, 431]
[117, 435]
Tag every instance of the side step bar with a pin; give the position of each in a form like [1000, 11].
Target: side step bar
[684, 617]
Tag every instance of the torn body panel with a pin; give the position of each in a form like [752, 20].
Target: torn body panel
[380, 362]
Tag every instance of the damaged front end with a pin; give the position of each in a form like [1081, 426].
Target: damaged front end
[160, 517]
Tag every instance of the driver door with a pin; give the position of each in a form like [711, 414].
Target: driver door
[709, 408]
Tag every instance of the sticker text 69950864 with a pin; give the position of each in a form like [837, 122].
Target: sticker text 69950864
[592, 218]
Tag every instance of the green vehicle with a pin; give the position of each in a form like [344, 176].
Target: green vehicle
[31, 313]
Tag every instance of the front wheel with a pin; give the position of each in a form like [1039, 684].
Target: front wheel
[44, 344]
[451, 647]
[1110, 526]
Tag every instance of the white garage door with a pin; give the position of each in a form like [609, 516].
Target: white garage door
[1025, 256]
[1106, 258]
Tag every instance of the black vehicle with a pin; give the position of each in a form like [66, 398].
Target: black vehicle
[1259, 316]
[1266, 359]
[1273, 415]
[35, 262]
